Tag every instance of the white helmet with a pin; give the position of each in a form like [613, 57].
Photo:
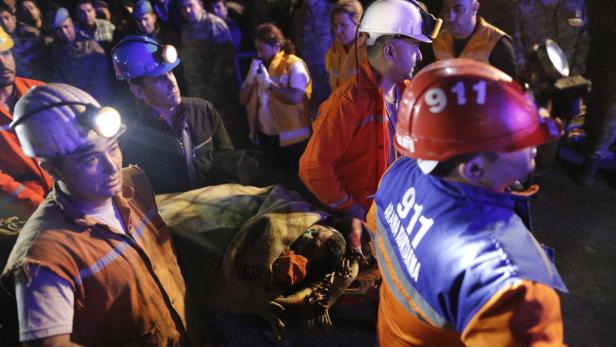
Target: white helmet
[399, 17]
[56, 120]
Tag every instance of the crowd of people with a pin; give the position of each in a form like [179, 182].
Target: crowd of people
[414, 127]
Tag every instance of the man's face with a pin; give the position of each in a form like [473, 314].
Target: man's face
[30, 11]
[265, 51]
[407, 56]
[146, 23]
[159, 92]
[509, 167]
[460, 17]
[192, 10]
[344, 28]
[7, 68]
[9, 21]
[66, 30]
[92, 177]
[86, 14]
[220, 9]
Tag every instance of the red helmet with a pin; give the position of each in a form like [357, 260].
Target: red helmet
[461, 106]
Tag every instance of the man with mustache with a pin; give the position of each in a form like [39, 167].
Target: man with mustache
[174, 139]
[95, 264]
[23, 183]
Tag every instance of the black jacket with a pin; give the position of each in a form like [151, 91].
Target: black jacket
[157, 148]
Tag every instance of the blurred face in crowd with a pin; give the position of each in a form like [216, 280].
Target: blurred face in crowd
[9, 21]
[66, 30]
[265, 51]
[220, 9]
[7, 68]
[30, 12]
[460, 17]
[192, 10]
[90, 178]
[344, 28]
[103, 12]
[146, 23]
[86, 14]
[158, 92]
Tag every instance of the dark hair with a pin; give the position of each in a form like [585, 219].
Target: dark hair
[335, 248]
[375, 49]
[351, 7]
[270, 34]
[7, 8]
[80, 2]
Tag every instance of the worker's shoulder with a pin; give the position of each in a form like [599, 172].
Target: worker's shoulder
[198, 107]
[354, 94]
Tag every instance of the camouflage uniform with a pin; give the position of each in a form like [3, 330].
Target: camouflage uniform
[207, 56]
[312, 35]
[564, 22]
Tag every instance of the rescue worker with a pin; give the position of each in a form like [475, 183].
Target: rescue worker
[23, 183]
[277, 94]
[173, 138]
[467, 35]
[84, 260]
[459, 266]
[351, 145]
[340, 58]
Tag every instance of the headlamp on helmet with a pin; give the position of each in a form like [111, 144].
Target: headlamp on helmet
[105, 121]
[169, 54]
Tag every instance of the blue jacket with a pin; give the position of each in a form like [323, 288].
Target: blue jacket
[453, 246]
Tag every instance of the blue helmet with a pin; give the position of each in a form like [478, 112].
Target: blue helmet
[142, 56]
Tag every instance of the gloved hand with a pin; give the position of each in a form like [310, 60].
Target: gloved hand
[252, 71]
[263, 78]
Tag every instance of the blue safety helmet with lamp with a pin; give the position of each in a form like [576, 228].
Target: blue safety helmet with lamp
[57, 120]
[142, 56]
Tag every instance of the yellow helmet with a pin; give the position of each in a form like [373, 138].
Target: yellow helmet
[6, 42]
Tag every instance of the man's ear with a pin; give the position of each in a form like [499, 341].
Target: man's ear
[473, 170]
[475, 7]
[389, 51]
[137, 91]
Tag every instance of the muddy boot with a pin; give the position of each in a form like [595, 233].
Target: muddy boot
[588, 171]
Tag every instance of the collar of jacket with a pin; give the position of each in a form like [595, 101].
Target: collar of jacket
[69, 208]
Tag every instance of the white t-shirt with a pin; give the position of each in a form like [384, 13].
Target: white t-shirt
[45, 303]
